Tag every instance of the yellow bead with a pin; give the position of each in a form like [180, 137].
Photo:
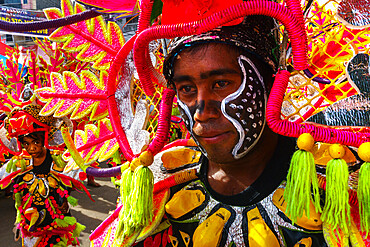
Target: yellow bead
[337, 151]
[305, 142]
[364, 151]
[146, 158]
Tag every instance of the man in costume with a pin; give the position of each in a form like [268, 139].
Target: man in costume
[222, 79]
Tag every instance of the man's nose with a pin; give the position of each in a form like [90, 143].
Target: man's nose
[32, 147]
[207, 107]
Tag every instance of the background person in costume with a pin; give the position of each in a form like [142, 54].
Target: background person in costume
[41, 192]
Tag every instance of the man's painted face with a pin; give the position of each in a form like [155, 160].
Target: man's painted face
[34, 147]
[222, 100]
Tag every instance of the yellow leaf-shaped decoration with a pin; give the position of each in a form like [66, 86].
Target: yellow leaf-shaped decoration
[93, 39]
[79, 96]
[95, 142]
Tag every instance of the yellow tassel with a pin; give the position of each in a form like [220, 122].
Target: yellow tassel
[302, 184]
[363, 190]
[337, 209]
[140, 212]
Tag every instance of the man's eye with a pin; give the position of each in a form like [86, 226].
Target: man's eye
[221, 84]
[186, 89]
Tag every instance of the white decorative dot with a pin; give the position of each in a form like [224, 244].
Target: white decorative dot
[249, 139]
[255, 135]
[254, 125]
[244, 122]
[253, 102]
[233, 106]
[251, 116]
[250, 87]
[251, 78]
[249, 109]
[240, 107]
[248, 94]
[238, 114]
[254, 95]
[260, 103]
[260, 122]
[244, 100]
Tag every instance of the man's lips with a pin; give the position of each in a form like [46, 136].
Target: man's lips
[212, 137]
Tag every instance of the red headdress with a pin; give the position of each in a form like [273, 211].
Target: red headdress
[26, 120]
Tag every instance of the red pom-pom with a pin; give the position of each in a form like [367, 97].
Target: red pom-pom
[82, 176]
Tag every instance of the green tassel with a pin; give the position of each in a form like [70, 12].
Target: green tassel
[66, 221]
[73, 201]
[337, 209]
[59, 161]
[302, 186]
[70, 220]
[9, 166]
[61, 223]
[18, 201]
[14, 168]
[141, 211]
[363, 194]
[137, 199]
[77, 231]
[23, 165]
[125, 188]
[54, 158]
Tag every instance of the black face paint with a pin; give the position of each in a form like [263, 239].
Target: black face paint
[188, 112]
[200, 107]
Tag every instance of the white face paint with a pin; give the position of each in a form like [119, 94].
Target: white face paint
[245, 109]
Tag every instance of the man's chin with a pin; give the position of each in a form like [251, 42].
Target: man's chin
[220, 156]
[218, 151]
